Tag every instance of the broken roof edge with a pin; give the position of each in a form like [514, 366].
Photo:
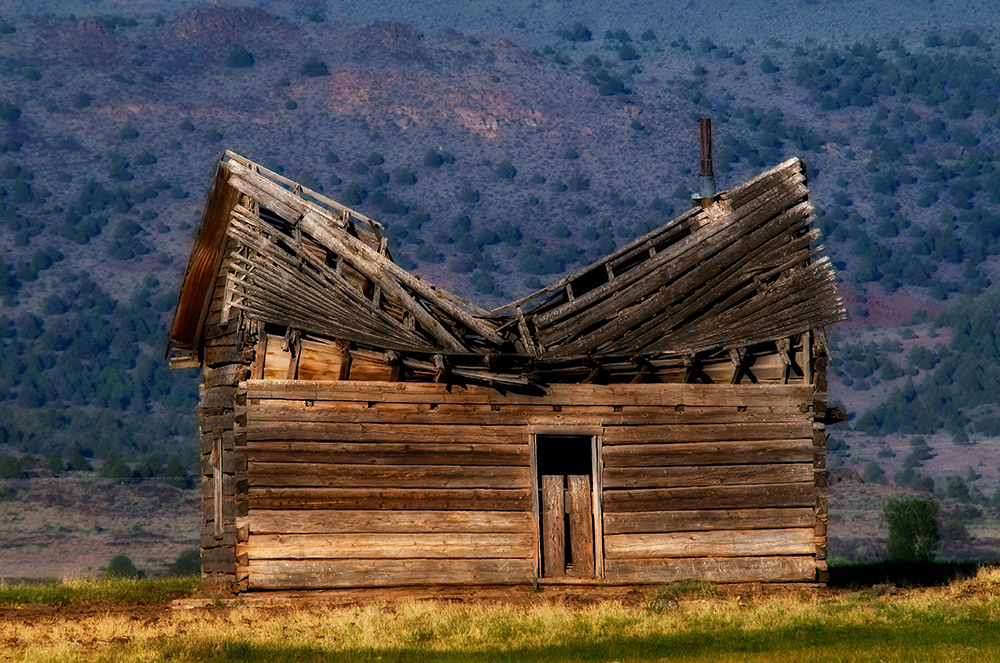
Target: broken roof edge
[236, 174]
[639, 241]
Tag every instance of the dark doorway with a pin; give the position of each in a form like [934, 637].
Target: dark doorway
[566, 504]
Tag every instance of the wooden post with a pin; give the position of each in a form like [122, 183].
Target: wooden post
[597, 473]
[581, 525]
[553, 525]
[216, 462]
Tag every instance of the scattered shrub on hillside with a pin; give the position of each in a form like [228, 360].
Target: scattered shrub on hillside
[128, 132]
[404, 176]
[114, 467]
[873, 473]
[79, 463]
[150, 467]
[9, 111]
[467, 193]
[121, 567]
[239, 58]
[145, 158]
[958, 489]
[188, 563]
[953, 530]
[353, 195]
[914, 529]
[578, 33]
[54, 463]
[313, 68]
[378, 178]
[175, 473]
[505, 170]
[10, 467]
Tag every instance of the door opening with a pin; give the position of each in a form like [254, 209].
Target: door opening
[566, 504]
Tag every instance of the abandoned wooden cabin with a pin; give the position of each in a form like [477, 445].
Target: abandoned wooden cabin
[656, 416]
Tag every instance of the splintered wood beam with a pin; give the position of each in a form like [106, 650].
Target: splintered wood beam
[706, 240]
[274, 275]
[807, 357]
[522, 328]
[704, 252]
[309, 192]
[292, 343]
[737, 356]
[380, 270]
[644, 369]
[690, 368]
[783, 346]
[367, 259]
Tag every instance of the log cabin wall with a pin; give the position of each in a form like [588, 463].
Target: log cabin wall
[227, 353]
[351, 484]
[682, 375]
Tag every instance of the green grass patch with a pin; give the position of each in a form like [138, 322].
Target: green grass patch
[907, 637]
[120, 591]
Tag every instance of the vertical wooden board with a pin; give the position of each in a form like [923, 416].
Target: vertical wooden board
[597, 472]
[553, 525]
[320, 361]
[581, 524]
[369, 371]
[276, 360]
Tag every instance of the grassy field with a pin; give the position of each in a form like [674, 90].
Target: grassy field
[133, 621]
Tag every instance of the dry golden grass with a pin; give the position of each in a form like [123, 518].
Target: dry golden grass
[957, 622]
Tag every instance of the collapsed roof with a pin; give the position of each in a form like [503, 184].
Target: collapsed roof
[734, 273]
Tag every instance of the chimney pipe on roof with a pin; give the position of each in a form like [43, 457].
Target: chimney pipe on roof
[706, 179]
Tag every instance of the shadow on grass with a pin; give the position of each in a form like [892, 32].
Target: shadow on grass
[806, 642]
[850, 575]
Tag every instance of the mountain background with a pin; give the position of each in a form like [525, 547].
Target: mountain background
[501, 145]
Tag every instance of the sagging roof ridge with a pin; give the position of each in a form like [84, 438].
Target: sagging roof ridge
[737, 272]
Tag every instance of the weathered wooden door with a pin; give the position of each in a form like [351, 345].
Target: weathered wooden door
[566, 505]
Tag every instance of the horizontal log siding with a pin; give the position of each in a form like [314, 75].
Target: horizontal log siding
[719, 498]
[350, 490]
[368, 484]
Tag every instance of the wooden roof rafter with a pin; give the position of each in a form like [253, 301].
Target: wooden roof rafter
[741, 271]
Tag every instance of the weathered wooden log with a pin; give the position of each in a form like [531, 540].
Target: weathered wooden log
[724, 569]
[391, 499]
[314, 521]
[715, 497]
[313, 574]
[713, 475]
[709, 432]
[391, 453]
[411, 545]
[556, 394]
[718, 543]
[322, 475]
[335, 412]
[707, 520]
